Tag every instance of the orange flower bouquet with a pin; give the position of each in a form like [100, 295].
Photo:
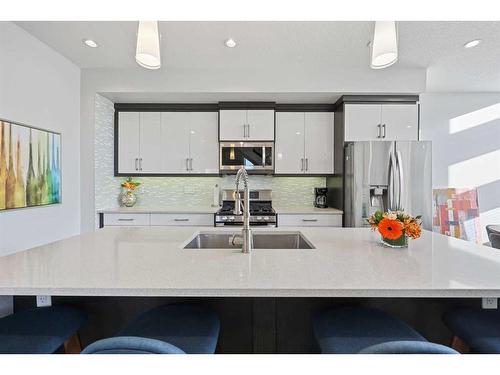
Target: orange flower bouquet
[130, 184]
[395, 227]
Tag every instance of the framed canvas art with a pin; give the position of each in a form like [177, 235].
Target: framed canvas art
[456, 213]
[30, 166]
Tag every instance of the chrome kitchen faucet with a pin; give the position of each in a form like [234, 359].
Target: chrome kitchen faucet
[246, 232]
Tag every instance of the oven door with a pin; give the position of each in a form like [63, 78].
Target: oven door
[254, 157]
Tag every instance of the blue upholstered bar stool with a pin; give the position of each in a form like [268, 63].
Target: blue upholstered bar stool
[350, 330]
[478, 329]
[190, 328]
[131, 345]
[41, 330]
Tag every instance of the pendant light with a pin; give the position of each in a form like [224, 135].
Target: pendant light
[385, 45]
[147, 53]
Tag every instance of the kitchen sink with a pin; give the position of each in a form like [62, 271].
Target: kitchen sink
[261, 240]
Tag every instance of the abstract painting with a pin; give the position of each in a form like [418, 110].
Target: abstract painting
[456, 213]
[30, 170]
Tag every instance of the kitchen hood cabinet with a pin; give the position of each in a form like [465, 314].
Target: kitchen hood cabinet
[167, 143]
[139, 143]
[246, 125]
[304, 143]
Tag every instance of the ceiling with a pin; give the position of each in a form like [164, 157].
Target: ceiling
[311, 46]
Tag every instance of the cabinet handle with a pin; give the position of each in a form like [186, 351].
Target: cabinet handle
[140, 164]
[181, 219]
[383, 128]
[307, 164]
[244, 131]
[378, 131]
[187, 164]
[190, 164]
[302, 164]
[248, 131]
[135, 161]
[125, 219]
[310, 220]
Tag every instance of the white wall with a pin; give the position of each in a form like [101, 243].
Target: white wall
[39, 87]
[465, 131]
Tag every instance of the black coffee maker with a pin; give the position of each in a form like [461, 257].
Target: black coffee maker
[320, 197]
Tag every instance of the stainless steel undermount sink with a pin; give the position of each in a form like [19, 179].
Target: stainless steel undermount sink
[261, 240]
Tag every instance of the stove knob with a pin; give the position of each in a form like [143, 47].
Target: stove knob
[231, 218]
[266, 218]
[259, 218]
[224, 218]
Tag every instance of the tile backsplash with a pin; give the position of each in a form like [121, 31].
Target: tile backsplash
[185, 191]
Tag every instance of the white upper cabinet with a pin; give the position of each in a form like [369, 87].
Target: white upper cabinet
[139, 142]
[150, 142]
[319, 142]
[304, 143]
[381, 122]
[260, 125]
[167, 143]
[233, 125]
[203, 142]
[175, 142]
[189, 142]
[400, 122]
[246, 125]
[289, 147]
[362, 122]
[128, 142]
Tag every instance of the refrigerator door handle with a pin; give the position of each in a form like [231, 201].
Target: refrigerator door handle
[399, 164]
[390, 183]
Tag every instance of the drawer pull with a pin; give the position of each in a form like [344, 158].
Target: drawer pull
[181, 219]
[125, 219]
[310, 220]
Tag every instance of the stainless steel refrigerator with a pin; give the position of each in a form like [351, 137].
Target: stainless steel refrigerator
[387, 175]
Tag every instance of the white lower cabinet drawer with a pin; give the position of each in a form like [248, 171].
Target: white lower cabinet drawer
[309, 220]
[183, 219]
[126, 219]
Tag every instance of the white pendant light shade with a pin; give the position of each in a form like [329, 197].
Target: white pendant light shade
[384, 45]
[147, 53]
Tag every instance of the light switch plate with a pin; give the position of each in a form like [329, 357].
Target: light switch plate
[489, 303]
[42, 301]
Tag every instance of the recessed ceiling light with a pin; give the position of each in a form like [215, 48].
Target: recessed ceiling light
[472, 43]
[89, 43]
[230, 43]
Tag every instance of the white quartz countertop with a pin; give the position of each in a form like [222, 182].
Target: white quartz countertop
[210, 210]
[347, 262]
[307, 210]
[160, 210]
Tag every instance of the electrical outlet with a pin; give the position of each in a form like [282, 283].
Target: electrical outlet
[490, 303]
[42, 301]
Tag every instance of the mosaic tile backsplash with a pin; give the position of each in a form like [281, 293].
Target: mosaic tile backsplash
[185, 191]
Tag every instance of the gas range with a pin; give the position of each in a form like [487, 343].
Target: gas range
[261, 209]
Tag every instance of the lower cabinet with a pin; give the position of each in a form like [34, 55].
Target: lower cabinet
[126, 219]
[309, 220]
[207, 219]
[153, 219]
[200, 220]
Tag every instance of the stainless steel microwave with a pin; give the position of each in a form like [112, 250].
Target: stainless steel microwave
[256, 157]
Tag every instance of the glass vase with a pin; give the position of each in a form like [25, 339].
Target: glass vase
[128, 198]
[400, 242]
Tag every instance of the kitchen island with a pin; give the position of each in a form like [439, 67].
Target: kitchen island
[346, 262]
